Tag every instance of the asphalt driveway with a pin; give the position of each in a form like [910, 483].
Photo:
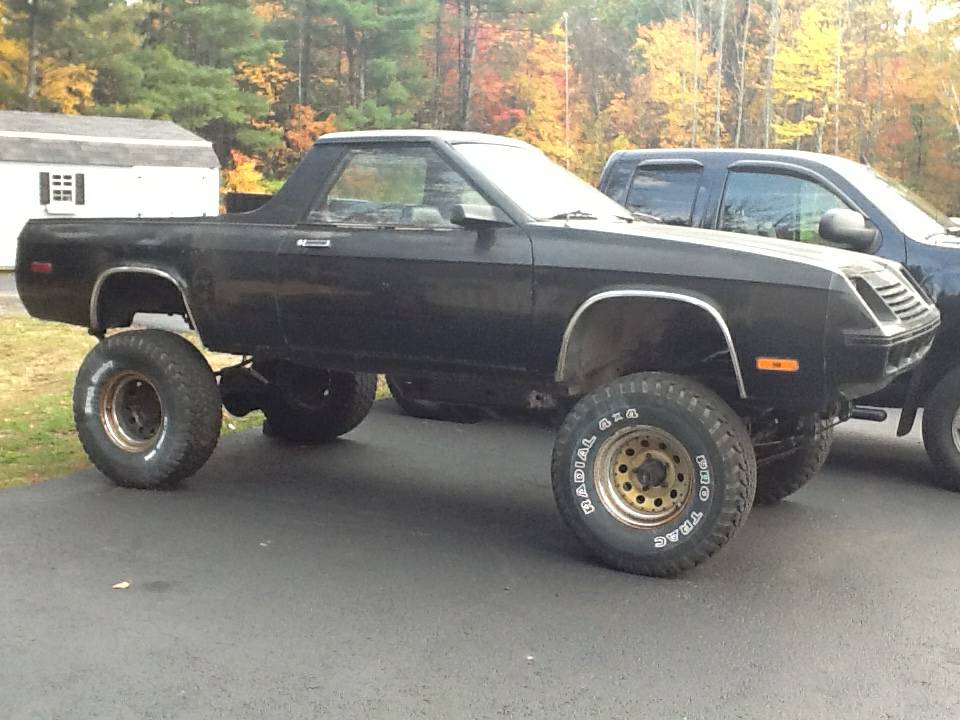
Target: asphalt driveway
[419, 569]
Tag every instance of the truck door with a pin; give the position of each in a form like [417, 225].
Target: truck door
[777, 201]
[377, 271]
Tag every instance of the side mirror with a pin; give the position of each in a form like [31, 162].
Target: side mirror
[479, 217]
[847, 227]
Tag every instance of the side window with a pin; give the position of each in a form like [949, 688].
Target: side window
[667, 193]
[62, 192]
[776, 205]
[394, 187]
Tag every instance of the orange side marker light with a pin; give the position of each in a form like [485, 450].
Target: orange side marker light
[773, 364]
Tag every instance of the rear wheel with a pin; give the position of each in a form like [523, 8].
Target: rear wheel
[147, 408]
[780, 478]
[941, 428]
[654, 473]
[311, 405]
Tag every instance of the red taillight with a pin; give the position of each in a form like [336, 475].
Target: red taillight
[44, 268]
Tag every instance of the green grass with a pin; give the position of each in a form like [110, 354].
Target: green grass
[38, 361]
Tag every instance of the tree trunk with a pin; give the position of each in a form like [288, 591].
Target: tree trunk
[697, 6]
[837, 103]
[350, 46]
[742, 87]
[954, 102]
[468, 34]
[720, 41]
[768, 75]
[438, 73]
[33, 56]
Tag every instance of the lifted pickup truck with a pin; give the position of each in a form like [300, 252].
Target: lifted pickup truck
[815, 198]
[490, 274]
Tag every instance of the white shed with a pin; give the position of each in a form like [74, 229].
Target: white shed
[85, 166]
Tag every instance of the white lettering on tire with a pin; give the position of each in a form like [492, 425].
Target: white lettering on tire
[687, 526]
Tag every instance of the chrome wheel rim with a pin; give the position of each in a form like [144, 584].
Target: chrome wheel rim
[131, 412]
[644, 476]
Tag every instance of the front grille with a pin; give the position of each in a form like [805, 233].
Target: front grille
[897, 295]
[902, 300]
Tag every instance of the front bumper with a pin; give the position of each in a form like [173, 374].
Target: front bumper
[870, 362]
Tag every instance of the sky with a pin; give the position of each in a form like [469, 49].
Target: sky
[921, 15]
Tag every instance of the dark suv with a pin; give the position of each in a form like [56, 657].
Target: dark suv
[815, 198]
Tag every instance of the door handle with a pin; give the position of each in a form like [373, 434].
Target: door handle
[314, 243]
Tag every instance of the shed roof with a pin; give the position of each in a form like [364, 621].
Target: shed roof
[91, 140]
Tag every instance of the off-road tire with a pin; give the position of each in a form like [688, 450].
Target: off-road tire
[782, 477]
[350, 397]
[429, 409]
[940, 436]
[190, 418]
[706, 429]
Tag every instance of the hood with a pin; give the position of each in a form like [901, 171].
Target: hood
[847, 262]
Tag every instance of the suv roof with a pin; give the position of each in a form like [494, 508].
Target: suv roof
[796, 156]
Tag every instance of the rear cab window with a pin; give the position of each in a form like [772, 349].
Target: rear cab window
[666, 191]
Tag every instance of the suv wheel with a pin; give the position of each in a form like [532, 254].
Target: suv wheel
[147, 408]
[654, 473]
[782, 477]
[941, 428]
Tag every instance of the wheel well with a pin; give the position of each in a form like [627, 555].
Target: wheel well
[120, 296]
[623, 335]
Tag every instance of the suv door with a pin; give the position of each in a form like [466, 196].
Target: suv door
[773, 201]
[377, 270]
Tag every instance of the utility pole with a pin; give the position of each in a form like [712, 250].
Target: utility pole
[33, 55]
[566, 85]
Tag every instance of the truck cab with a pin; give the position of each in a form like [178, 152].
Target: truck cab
[816, 198]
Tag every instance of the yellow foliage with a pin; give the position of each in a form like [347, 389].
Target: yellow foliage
[13, 57]
[269, 10]
[68, 88]
[805, 71]
[539, 88]
[268, 79]
[244, 176]
[680, 82]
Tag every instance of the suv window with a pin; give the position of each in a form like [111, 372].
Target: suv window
[776, 205]
[405, 187]
[667, 193]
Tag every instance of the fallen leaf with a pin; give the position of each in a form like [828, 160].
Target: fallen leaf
[121, 585]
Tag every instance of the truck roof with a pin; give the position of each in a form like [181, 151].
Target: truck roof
[798, 156]
[451, 137]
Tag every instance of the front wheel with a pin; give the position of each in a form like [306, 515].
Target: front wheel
[941, 428]
[147, 408]
[654, 473]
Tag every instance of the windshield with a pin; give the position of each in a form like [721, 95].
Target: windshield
[543, 189]
[914, 216]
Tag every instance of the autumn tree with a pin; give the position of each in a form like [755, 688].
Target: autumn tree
[673, 83]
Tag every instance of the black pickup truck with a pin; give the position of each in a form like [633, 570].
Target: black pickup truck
[491, 275]
[817, 198]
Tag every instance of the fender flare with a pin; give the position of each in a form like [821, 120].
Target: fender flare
[670, 295]
[181, 287]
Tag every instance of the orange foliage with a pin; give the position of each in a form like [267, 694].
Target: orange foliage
[303, 128]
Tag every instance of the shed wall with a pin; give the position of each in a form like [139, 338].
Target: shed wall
[148, 191]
